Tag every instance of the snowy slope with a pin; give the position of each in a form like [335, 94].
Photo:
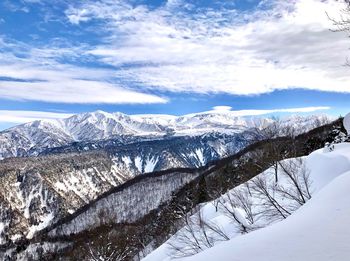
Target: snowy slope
[347, 123]
[317, 231]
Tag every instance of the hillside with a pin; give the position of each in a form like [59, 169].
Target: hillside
[143, 209]
[316, 230]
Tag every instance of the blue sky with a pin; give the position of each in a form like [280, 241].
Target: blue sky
[59, 57]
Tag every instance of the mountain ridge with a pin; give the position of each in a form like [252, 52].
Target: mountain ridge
[30, 139]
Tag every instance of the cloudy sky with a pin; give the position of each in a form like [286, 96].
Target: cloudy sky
[59, 57]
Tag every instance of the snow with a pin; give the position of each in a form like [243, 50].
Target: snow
[45, 221]
[200, 156]
[316, 231]
[61, 186]
[102, 125]
[35, 192]
[151, 164]
[319, 231]
[16, 237]
[2, 232]
[347, 123]
[325, 166]
[138, 163]
[143, 196]
[127, 161]
[81, 183]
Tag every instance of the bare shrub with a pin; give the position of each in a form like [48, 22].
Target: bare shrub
[196, 236]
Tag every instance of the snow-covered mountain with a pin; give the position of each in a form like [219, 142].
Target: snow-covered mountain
[55, 199]
[32, 138]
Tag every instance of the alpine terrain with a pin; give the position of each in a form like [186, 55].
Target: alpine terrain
[60, 181]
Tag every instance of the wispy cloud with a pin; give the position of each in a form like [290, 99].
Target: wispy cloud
[142, 52]
[284, 45]
[225, 109]
[10, 116]
[36, 74]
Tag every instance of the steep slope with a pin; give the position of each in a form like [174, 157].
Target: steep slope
[37, 191]
[32, 138]
[317, 231]
[322, 166]
[142, 156]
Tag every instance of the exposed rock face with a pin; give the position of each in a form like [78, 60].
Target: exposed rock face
[38, 191]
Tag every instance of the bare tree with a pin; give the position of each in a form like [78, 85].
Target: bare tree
[261, 199]
[275, 148]
[299, 178]
[271, 208]
[279, 200]
[216, 191]
[196, 235]
[106, 252]
[342, 22]
[239, 199]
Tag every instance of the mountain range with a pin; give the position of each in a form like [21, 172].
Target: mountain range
[50, 169]
[31, 139]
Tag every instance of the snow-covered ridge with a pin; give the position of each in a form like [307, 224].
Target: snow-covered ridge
[317, 231]
[34, 137]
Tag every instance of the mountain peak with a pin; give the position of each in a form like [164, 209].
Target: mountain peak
[101, 125]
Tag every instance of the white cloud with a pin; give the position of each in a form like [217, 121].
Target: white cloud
[38, 76]
[74, 91]
[285, 46]
[258, 112]
[222, 108]
[180, 47]
[77, 16]
[10, 116]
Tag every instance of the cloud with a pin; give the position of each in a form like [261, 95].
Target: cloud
[74, 91]
[241, 113]
[77, 16]
[143, 52]
[280, 45]
[222, 108]
[36, 74]
[290, 110]
[10, 116]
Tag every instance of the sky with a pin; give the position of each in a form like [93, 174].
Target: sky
[60, 57]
